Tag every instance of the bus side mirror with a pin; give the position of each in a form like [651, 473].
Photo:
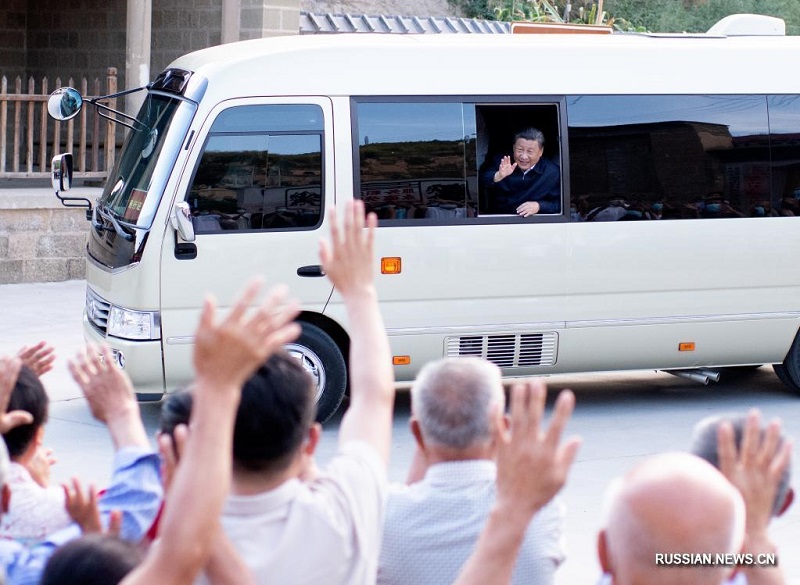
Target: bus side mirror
[64, 103]
[181, 220]
[61, 170]
[61, 177]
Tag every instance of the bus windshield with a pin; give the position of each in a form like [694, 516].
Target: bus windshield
[133, 190]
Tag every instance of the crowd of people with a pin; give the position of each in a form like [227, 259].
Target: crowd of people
[233, 495]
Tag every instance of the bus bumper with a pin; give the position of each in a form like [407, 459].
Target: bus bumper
[141, 360]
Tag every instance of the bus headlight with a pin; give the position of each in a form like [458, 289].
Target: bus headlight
[137, 325]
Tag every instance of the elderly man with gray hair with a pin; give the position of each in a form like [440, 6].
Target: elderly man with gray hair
[432, 524]
[762, 475]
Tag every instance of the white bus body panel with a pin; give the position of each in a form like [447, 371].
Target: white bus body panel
[730, 286]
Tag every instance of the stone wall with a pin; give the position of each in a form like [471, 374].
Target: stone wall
[40, 240]
[181, 26]
[75, 39]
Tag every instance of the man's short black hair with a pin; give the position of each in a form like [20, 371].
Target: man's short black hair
[94, 559]
[530, 134]
[28, 395]
[275, 413]
[175, 410]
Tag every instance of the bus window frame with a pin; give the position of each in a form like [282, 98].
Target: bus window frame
[558, 101]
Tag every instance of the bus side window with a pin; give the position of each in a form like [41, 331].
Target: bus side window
[417, 160]
[664, 157]
[256, 175]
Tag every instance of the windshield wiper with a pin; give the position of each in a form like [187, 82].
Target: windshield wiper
[117, 226]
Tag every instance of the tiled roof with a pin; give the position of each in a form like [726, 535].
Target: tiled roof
[349, 23]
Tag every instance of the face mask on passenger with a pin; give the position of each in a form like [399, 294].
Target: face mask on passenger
[658, 206]
[714, 207]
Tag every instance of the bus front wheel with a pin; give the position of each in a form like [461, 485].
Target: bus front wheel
[323, 360]
[789, 370]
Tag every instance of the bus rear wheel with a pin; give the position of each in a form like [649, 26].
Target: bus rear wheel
[323, 360]
[789, 371]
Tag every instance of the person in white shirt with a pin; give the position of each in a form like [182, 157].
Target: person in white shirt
[289, 523]
[432, 525]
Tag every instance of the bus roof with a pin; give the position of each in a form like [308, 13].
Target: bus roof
[409, 64]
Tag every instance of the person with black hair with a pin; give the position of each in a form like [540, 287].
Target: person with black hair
[288, 525]
[134, 490]
[38, 508]
[527, 185]
[93, 559]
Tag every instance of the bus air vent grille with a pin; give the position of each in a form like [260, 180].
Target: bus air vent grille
[507, 350]
[97, 310]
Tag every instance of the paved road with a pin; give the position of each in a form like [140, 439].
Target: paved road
[622, 418]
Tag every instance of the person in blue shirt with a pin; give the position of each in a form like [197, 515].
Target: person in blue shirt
[134, 490]
[527, 185]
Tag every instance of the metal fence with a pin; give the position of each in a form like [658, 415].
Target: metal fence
[29, 137]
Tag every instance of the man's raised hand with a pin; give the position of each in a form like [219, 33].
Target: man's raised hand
[227, 351]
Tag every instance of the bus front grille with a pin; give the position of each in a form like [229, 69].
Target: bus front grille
[511, 350]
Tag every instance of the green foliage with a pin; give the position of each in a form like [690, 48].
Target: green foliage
[675, 16]
[697, 16]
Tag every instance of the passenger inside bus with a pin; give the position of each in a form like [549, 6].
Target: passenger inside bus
[529, 185]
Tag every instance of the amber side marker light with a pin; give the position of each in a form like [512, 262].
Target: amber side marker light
[391, 265]
[401, 360]
[686, 346]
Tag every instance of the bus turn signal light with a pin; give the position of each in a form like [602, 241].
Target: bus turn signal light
[686, 346]
[391, 265]
[401, 360]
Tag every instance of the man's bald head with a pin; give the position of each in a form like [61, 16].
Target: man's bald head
[670, 503]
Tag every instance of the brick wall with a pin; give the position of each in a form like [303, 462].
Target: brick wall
[40, 240]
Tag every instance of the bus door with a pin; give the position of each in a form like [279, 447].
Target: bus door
[455, 281]
[256, 191]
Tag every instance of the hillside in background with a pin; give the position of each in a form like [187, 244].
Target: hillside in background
[422, 8]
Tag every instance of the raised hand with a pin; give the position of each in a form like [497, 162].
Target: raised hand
[39, 357]
[107, 388]
[531, 468]
[348, 261]
[83, 510]
[756, 468]
[229, 351]
[348, 258]
[171, 447]
[532, 465]
[110, 395]
[40, 464]
[506, 168]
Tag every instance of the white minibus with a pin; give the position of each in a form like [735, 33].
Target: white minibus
[673, 242]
